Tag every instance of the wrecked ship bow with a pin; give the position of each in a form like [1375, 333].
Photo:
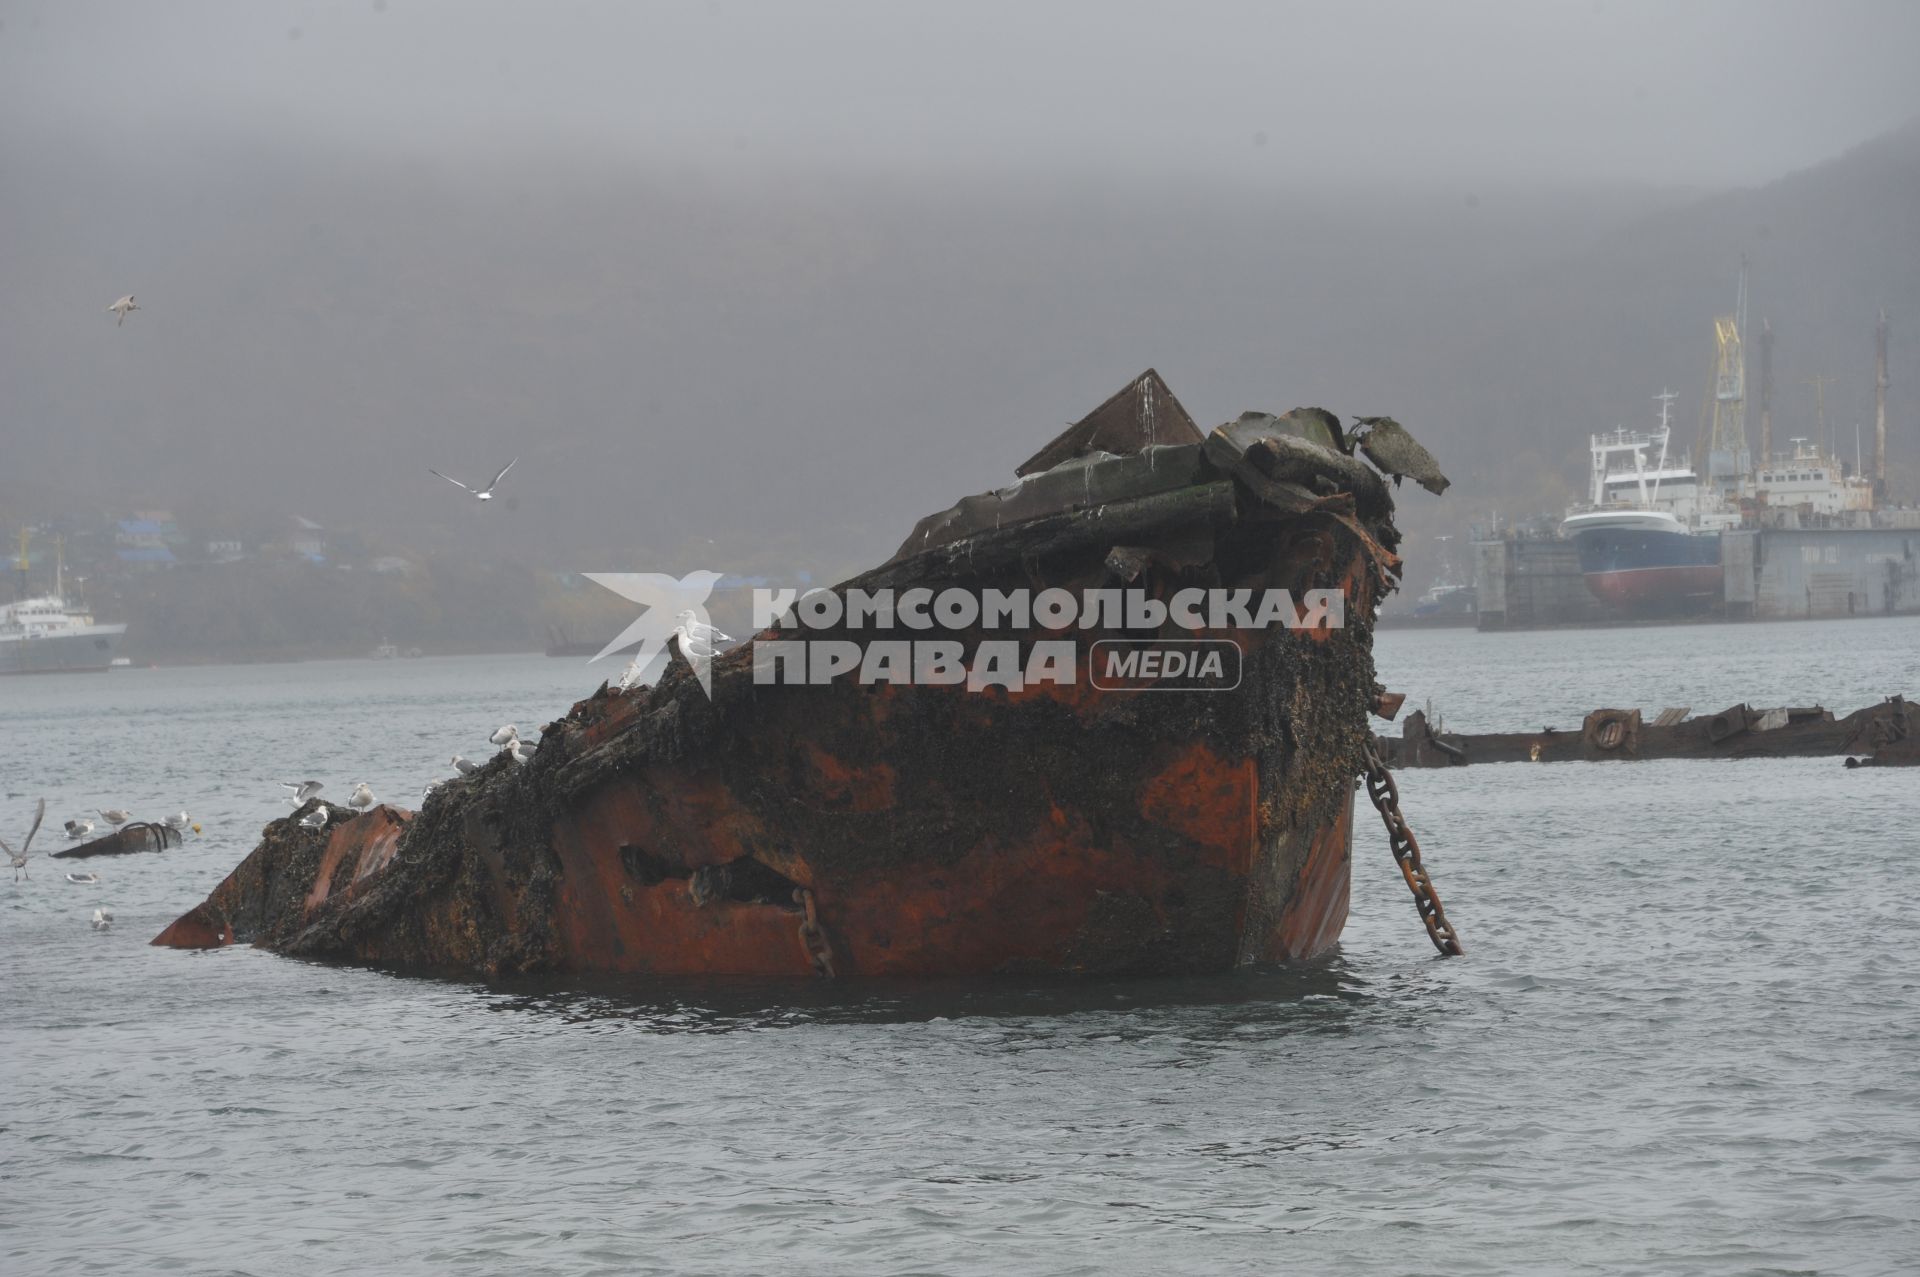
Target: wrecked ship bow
[913, 828]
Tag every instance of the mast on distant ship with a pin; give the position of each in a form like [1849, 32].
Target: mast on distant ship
[1880, 411]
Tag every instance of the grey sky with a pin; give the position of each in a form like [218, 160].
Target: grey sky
[1699, 94]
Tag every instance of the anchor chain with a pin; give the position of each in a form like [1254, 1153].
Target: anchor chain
[1406, 853]
[813, 936]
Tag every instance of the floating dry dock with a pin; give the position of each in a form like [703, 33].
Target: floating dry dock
[1883, 735]
[920, 829]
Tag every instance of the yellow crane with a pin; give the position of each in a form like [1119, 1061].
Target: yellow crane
[1720, 457]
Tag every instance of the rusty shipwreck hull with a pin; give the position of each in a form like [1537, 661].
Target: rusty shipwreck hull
[920, 829]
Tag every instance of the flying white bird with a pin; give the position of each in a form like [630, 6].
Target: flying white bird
[85, 880]
[114, 816]
[103, 919]
[486, 493]
[78, 829]
[120, 309]
[464, 766]
[315, 819]
[303, 791]
[362, 797]
[17, 860]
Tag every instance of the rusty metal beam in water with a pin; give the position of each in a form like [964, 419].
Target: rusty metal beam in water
[1886, 734]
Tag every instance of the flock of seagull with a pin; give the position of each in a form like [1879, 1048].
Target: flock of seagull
[506, 738]
[78, 829]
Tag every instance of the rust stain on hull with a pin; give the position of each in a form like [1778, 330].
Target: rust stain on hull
[936, 831]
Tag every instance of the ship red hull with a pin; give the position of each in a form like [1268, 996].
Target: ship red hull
[1655, 589]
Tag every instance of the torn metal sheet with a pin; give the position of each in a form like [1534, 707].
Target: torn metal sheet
[1142, 414]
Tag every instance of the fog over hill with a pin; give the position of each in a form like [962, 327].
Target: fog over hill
[778, 358]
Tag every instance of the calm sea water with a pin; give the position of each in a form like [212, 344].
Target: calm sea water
[1686, 1037]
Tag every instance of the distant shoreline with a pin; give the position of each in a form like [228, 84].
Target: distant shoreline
[142, 661]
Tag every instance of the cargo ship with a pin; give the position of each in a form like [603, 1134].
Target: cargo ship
[1649, 535]
[722, 822]
[48, 635]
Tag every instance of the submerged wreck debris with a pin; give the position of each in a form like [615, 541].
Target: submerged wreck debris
[812, 816]
[140, 836]
[1886, 733]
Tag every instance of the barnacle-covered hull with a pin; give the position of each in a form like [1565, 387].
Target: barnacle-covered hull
[921, 829]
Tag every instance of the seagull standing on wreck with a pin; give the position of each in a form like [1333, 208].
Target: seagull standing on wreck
[315, 819]
[699, 631]
[362, 796]
[120, 308]
[483, 494]
[466, 767]
[697, 651]
[114, 816]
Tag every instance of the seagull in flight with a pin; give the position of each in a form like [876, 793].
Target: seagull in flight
[17, 860]
[120, 309]
[303, 791]
[483, 494]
